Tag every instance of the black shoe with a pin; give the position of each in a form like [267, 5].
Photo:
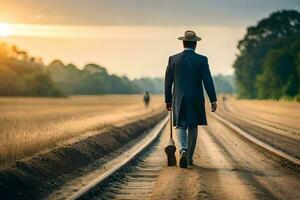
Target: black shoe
[183, 162]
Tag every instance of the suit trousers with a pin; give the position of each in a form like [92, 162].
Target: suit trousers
[186, 134]
[187, 139]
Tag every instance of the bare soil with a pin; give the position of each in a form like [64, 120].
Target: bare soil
[275, 123]
[278, 114]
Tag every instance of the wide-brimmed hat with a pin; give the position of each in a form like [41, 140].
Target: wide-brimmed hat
[190, 36]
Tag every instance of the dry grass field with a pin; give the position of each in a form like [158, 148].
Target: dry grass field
[32, 125]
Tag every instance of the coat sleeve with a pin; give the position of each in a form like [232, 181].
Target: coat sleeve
[169, 79]
[208, 82]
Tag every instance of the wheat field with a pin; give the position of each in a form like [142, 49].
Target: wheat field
[32, 125]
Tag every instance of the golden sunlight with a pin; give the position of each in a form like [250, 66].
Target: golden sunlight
[4, 30]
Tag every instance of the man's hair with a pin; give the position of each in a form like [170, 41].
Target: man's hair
[189, 44]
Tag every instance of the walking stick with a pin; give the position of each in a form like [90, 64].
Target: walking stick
[171, 148]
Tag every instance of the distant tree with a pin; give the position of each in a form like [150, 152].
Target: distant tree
[8, 81]
[280, 76]
[224, 84]
[93, 79]
[152, 85]
[39, 84]
[20, 76]
[256, 46]
[94, 69]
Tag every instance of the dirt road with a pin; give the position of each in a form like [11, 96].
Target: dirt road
[276, 123]
[227, 167]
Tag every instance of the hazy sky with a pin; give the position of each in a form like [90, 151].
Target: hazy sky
[141, 12]
[132, 37]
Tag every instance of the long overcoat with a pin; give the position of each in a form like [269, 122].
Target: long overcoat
[186, 73]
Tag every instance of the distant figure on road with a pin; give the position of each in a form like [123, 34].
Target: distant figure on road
[224, 98]
[186, 72]
[146, 98]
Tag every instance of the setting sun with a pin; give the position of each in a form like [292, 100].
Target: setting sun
[4, 30]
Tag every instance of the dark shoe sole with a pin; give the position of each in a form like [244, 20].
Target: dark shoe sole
[183, 163]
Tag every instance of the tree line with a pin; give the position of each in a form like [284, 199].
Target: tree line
[268, 63]
[24, 75]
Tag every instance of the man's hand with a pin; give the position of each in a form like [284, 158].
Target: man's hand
[169, 106]
[213, 106]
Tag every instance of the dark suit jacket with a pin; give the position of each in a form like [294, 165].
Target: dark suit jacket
[187, 71]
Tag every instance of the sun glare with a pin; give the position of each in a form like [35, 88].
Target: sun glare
[4, 30]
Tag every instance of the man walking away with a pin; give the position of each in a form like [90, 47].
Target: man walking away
[146, 98]
[186, 72]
